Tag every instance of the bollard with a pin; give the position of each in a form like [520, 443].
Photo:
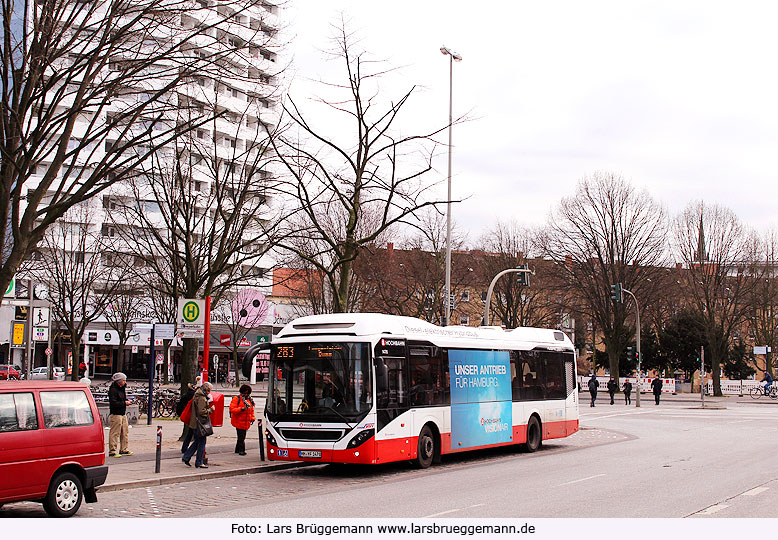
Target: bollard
[261, 441]
[159, 449]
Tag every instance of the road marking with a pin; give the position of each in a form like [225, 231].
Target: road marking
[589, 417]
[755, 491]
[712, 509]
[152, 503]
[442, 513]
[581, 480]
[454, 510]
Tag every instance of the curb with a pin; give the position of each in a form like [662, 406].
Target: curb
[200, 476]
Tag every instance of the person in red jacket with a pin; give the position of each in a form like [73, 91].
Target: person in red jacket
[242, 416]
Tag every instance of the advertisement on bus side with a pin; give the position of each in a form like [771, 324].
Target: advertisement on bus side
[480, 398]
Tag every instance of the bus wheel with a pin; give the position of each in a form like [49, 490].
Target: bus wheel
[425, 452]
[534, 438]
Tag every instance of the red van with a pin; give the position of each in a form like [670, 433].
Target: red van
[51, 445]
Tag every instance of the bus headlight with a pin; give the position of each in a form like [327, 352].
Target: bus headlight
[270, 438]
[360, 438]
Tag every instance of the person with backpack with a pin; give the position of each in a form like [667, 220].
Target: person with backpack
[627, 392]
[242, 417]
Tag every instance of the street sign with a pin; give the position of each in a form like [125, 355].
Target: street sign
[160, 357]
[17, 334]
[11, 290]
[164, 331]
[40, 333]
[134, 349]
[40, 316]
[191, 318]
[48, 351]
[762, 350]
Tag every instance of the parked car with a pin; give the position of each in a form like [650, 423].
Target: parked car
[42, 373]
[52, 443]
[9, 373]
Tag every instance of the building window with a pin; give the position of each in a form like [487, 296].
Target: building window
[464, 320]
[483, 296]
[466, 295]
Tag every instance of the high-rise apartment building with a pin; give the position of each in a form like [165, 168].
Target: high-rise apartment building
[190, 165]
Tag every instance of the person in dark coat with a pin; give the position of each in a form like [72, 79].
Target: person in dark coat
[202, 410]
[593, 384]
[627, 392]
[656, 386]
[186, 397]
[118, 435]
[612, 387]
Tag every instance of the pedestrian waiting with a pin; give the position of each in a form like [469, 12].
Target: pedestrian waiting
[627, 392]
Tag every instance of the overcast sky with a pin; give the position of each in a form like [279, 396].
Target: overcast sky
[679, 97]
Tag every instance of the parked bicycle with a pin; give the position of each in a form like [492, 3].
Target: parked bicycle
[758, 391]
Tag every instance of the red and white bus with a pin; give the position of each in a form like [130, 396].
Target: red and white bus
[372, 388]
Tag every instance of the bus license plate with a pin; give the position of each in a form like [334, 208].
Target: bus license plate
[310, 453]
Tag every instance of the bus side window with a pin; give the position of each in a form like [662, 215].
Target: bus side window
[531, 376]
[426, 376]
[515, 376]
[391, 391]
[554, 382]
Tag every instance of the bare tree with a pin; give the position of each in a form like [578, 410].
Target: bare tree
[201, 220]
[80, 280]
[408, 278]
[90, 90]
[246, 310]
[722, 265]
[163, 305]
[123, 306]
[509, 245]
[348, 191]
[607, 233]
[763, 299]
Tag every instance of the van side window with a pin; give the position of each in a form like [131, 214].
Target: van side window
[17, 412]
[69, 408]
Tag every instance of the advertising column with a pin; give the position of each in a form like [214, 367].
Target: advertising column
[481, 400]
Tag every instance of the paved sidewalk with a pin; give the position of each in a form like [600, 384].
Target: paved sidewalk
[138, 469]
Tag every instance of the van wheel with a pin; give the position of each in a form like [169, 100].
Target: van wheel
[534, 435]
[64, 496]
[425, 451]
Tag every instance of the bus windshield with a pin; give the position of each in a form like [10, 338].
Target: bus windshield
[320, 380]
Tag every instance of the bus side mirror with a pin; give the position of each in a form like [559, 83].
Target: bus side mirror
[248, 358]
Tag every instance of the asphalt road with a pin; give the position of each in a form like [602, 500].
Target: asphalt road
[668, 461]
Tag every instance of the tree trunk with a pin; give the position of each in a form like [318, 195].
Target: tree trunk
[235, 366]
[613, 363]
[75, 344]
[189, 365]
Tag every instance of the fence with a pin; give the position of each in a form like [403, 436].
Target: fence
[733, 387]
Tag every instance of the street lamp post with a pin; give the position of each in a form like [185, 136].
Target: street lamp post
[452, 57]
[520, 270]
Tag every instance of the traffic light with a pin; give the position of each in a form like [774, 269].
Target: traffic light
[523, 278]
[616, 294]
[630, 356]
